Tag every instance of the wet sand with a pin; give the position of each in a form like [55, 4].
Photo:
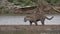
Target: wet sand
[28, 27]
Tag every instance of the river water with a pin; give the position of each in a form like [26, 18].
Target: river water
[19, 20]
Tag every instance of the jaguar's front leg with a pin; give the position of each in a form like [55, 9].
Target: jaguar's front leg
[30, 23]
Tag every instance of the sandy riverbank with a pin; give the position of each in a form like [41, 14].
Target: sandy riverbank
[26, 29]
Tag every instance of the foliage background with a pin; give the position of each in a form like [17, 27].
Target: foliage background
[32, 2]
[21, 3]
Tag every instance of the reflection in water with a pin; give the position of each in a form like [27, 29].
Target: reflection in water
[19, 20]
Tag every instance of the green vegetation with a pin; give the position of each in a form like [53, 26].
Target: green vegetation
[23, 2]
[53, 2]
[32, 2]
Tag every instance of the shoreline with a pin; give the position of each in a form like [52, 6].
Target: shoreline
[28, 27]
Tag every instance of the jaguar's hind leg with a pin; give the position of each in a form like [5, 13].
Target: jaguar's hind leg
[42, 22]
[36, 23]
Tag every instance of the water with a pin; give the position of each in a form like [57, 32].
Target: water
[19, 20]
